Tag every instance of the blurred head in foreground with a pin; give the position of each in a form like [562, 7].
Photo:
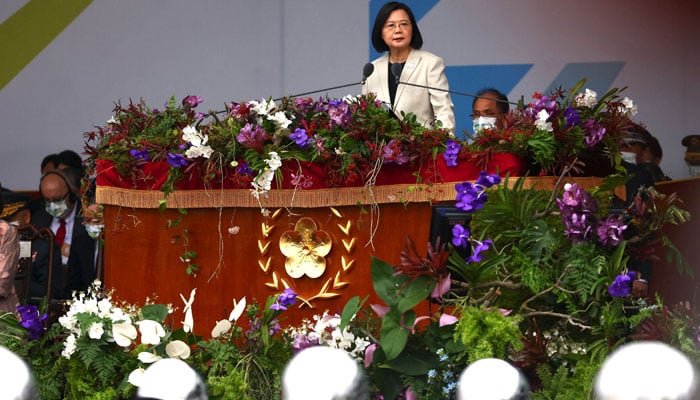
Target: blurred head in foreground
[171, 379]
[646, 371]
[492, 379]
[16, 380]
[323, 373]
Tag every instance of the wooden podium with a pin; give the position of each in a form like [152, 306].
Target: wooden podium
[237, 241]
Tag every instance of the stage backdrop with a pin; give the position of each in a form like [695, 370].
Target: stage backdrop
[64, 63]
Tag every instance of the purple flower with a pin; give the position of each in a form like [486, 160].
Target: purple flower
[339, 113]
[274, 328]
[287, 297]
[300, 137]
[192, 101]
[32, 321]
[622, 285]
[176, 160]
[451, 153]
[394, 153]
[487, 180]
[610, 231]
[578, 210]
[244, 169]
[301, 342]
[578, 226]
[594, 132]
[139, 155]
[478, 249]
[450, 160]
[277, 307]
[469, 197]
[252, 137]
[460, 235]
[571, 116]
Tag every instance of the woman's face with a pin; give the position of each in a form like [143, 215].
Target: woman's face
[397, 32]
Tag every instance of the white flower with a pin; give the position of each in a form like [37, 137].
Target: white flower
[147, 357]
[188, 323]
[587, 99]
[123, 333]
[68, 346]
[542, 123]
[274, 162]
[262, 107]
[111, 120]
[221, 327]
[136, 377]
[238, 308]
[350, 99]
[104, 307]
[339, 151]
[177, 349]
[96, 330]
[280, 119]
[151, 331]
[629, 107]
[68, 321]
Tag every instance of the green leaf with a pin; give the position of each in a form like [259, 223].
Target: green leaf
[414, 292]
[393, 336]
[384, 282]
[155, 312]
[415, 363]
[351, 308]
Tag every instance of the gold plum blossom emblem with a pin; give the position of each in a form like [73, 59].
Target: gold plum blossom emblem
[306, 248]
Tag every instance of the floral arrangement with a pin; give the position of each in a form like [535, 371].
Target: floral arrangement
[559, 128]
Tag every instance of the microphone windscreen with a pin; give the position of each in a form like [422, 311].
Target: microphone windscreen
[367, 70]
[396, 71]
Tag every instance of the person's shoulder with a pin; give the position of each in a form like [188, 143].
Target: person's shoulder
[424, 54]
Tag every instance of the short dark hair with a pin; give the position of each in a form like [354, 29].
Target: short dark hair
[70, 159]
[380, 20]
[51, 158]
[502, 104]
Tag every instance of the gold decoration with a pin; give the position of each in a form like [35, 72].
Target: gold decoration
[305, 248]
[349, 246]
[346, 264]
[266, 265]
[266, 229]
[345, 229]
[336, 212]
[337, 283]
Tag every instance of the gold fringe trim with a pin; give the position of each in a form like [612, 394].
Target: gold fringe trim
[215, 198]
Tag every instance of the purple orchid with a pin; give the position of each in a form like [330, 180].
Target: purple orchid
[460, 235]
[139, 155]
[244, 169]
[594, 132]
[192, 101]
[451, 153]
[478, 249]
[176, 160]
[300, 137]
[622, 285]
[610, 231]
[571, 116]
[32, 320]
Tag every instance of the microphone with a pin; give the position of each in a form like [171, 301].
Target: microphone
[367, 70]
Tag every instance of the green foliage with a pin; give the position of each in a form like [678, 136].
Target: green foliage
[566, 383]
[487, 333]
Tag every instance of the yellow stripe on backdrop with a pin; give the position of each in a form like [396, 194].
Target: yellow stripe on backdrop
[28, 31]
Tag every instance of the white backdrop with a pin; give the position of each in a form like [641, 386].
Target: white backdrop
[224, 50]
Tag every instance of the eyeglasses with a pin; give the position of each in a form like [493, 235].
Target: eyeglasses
[391, 25]
[478, 114]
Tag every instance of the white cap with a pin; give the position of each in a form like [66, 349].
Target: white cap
[648, 371]
[323, 373]
[16, 380]
[492, 379]
[171, 379]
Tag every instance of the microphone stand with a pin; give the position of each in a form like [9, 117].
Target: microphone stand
[320, 90]
[454, 92]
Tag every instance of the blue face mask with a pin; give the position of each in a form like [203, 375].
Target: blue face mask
[57, 209]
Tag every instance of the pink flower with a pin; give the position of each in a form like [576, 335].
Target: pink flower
[447, 319]
[380, 310]
[442, 287]
[369, 354]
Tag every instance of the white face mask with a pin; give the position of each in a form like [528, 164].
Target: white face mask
[94, 230]
[629, 157]
[482, 123]
[57, 209]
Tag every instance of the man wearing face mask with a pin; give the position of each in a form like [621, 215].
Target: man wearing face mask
[85, 260]
[61, 213]
[633, 143]
[489, 109]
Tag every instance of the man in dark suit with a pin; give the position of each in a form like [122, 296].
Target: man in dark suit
[62, 213]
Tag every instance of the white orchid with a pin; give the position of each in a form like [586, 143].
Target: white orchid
[587, 99]
[96, 330]
[628, 107]
[188, 323]
[280, 119]
[541, 122]
[197, 141]
[69, 346]
[262, 107]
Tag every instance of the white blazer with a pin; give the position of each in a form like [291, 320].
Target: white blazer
[422, 68]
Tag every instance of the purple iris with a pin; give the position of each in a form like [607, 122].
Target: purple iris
[176, 160]
[300, 137]
[451, 152]
[460, 235]
[571, 116]
[192, 101]
[594, 132]
[32, 321]
[139, 155]
[622, 285]
[478, 249]
[610, 231]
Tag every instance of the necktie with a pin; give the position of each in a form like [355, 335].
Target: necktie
[61, 233]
